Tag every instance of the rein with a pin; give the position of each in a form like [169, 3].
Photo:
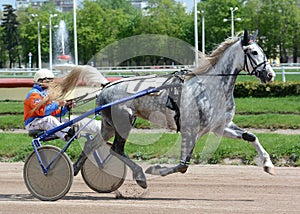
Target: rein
[81, 100]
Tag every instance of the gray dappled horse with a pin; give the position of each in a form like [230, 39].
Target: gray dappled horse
[195, 103]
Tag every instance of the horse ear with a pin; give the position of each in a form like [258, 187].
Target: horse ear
[253, 37]
[245, 40]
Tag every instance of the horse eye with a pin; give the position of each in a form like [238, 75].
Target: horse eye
[254, 52]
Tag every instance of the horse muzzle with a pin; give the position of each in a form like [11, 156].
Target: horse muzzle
[266, 74]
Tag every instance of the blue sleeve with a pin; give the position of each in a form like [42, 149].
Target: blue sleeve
[63, 111]
[51, 108]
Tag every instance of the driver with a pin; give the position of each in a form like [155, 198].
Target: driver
[45, 117]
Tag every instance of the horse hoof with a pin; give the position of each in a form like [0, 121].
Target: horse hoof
[269, 170]
[140, 179]
[142, 183]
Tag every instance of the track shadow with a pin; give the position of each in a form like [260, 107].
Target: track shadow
[16, 197]
[82, 196]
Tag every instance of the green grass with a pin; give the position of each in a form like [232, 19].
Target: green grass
[268, 121]
[11, 122]
[11, 107]
[16, 147]
[278, 78]
[248, 105]
[251, 105]
[165, 148]
[271, 113]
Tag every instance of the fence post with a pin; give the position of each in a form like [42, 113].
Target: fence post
[283, 74]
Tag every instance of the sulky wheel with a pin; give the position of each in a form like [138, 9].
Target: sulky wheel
[58, 180]
[103, 172]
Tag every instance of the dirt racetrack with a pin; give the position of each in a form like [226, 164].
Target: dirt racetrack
[203, 189]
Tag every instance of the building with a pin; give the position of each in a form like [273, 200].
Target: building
[140, 4]
[67, 5]
[62, 5]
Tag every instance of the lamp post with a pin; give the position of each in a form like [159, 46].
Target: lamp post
[39, 46]
[203, 32]
[75, 32]
[50, 40]
[196, 32]
[39, 42]
[232, 10]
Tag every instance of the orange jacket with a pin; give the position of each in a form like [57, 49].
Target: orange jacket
[35, 95]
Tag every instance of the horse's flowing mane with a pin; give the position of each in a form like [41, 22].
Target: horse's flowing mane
[208, 61]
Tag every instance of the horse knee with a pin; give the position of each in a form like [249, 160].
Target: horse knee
[248, 136]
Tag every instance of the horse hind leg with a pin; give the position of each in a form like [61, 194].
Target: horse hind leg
[90, 145]
[117, 150]
[119, 119]
[93, 143]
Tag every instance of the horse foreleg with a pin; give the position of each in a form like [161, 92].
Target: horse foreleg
[163, 171]
[187, 147]
[233, 131]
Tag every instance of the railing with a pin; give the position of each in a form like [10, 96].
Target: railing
[287, 66]
[109, 71]
[282, 69]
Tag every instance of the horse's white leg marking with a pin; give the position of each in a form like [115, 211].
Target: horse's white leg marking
[265, 157]
[235, 132]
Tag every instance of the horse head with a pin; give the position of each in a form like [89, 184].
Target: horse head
[255, 61]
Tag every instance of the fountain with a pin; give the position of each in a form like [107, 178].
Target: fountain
[63, 59]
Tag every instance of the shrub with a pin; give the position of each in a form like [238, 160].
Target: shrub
[276, 89]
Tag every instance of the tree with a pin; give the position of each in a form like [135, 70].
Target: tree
[11, 34]
[103, 22]
[165, 17]
[29, 18]
[115, 5]
[99, 26]
[2, 49]
[215, 11]
[278, 24]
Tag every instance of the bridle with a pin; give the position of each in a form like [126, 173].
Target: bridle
[254, 65]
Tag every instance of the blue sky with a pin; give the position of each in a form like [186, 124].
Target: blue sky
[189, 3]
[12, 2]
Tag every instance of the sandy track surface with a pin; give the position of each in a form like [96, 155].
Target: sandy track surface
[203, 189]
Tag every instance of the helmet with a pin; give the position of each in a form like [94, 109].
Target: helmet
[42, 74]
